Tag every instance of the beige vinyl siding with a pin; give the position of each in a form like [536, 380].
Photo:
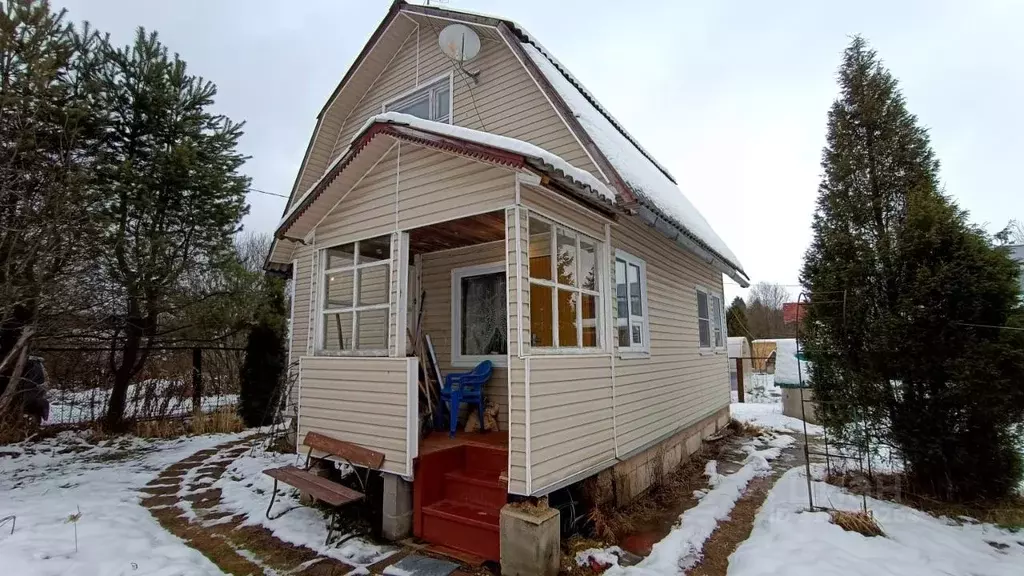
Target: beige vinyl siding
[435, 186]
[436, 279]
[504, 101]
[301, 278]
[431, 186]
[517, 265]
[676, 386]
[358, 400]
[570, 416]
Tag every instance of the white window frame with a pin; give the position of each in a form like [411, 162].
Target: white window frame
[460, 360]
[355, 308]
[555, 287]
[430, 87]
[642, 350]
[711, 348]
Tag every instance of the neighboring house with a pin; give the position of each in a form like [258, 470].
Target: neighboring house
[1017, 253]
[739, 353]
[533, 230]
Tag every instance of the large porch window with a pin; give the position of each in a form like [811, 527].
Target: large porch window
[479, 315]
[356, 297]
[564, 287]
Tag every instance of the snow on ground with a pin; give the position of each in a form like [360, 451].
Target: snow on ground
[787, 539]
[151, 398]
[246, 490]
[680, 550]
[770, 416]
[45, 482]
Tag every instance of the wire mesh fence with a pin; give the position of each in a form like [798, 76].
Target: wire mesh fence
[175, 382]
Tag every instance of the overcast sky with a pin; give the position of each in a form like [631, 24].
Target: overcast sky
[730, 96]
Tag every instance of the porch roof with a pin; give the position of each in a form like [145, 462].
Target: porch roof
[366, 149]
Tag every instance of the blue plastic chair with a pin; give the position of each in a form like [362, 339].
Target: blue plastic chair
[465, 387]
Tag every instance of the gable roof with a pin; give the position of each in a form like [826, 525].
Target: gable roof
[475, 144]
[644, 184]
[660, 201]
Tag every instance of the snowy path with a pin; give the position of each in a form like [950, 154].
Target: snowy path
[788, 540]
[53, 479]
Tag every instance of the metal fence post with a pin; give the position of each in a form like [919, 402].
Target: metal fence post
[197, 381]
[739, 379]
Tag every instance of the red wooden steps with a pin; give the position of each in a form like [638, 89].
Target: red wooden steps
[458, 494]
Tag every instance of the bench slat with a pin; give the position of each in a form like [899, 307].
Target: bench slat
[320, 488]
[351, 452]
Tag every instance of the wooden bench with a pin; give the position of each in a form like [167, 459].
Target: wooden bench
[321, 488]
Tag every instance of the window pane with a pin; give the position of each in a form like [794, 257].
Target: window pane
[418, 106]
[589, 320]
[566, 259]
[716, 318]
[567, 302]
[484, 314]
[702, 305]
[624, 333]
[635, 306]
[441, 102]
[374, 285]
[540, 249]
[373, 329]
[375, 249]
[340, 256]
[621, 294]
[337, 330]
[338, 290]
[588, 265]
[541, 316]
[704, 332]
[637, 331]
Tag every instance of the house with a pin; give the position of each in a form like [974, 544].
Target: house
[496, 198]
[1017, 253]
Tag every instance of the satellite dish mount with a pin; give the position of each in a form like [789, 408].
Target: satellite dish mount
[460, 44]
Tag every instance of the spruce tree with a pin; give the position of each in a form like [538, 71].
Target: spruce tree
[736, 318]
[909, 301]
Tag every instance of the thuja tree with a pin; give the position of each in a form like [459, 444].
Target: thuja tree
[913, 338]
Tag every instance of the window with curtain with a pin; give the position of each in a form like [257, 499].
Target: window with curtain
[564, 287]
[632, 331]
[481, 322]
[355, 297]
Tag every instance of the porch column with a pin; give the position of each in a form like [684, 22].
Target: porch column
[399, 301]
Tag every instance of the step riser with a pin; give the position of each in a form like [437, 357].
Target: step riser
[488, 496]
[480, 458]
[474, 539]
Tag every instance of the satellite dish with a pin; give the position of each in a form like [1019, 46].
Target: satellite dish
[459, 42]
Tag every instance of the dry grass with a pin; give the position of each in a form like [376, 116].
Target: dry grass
[745, 428]
[223, 421]
[860, 522]
[1006, 513]
[730, 533]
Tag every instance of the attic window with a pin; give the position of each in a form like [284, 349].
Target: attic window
[430, 102]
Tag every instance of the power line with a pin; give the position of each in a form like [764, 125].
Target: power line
[268, 193]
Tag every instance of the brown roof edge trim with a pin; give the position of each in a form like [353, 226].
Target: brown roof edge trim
[563, 109]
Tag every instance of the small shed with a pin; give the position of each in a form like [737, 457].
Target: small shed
[739, 347]
[764, 355]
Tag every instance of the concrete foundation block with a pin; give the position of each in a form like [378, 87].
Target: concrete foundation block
[530, 541]
[396, 516]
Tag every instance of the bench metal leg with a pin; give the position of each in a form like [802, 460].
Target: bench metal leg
[273, 495]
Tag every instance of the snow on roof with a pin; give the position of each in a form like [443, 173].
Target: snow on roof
[553, 161]
[648, 180]
[502, 142]
[788, 370]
